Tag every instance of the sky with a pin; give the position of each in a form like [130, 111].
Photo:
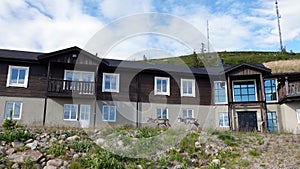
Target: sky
[234, 25]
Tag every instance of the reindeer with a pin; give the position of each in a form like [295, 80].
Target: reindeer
[159, 122]
[188, 121]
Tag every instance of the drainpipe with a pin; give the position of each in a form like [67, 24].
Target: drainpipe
[137, 99]
[286, 86]
[46, 94]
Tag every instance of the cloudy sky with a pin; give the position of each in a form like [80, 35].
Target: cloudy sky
[234, 25]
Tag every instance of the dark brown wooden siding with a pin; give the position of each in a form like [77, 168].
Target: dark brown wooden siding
[128, 88]
[37, 81]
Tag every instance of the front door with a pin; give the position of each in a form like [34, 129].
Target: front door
[85, 111]
[247, 120]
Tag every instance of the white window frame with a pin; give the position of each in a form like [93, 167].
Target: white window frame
[81, 74]
[298, 115]
[76, 105]
[193, 94]
[248, 80]
[187, 111]
[115, 113]
[117, 82]
[225, 92]
[9, 74]
[13, 110]
[223, 113]
[161, 112]
[167, 93]
[276, 84]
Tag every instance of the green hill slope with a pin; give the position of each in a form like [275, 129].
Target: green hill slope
[230, 58]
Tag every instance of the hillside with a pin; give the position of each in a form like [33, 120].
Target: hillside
[232, 58]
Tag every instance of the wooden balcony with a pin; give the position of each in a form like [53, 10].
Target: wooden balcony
[290, 92]
[66, 88]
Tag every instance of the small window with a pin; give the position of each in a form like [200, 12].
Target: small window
[110, 82]
[109, 113]
[270, 90]
[298, 115]
[220, 92]
[162, 86]
[187, 113]
[188, 87]
[13, 109]
[162, 113]
[17, 76]
[223, 119]
[70, 112]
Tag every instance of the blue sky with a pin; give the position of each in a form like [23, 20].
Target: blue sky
[235, 25]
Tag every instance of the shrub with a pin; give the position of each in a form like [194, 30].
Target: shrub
[15, 134]
[80, 146]
[57, 150]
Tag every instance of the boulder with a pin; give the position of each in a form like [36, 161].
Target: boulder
[55, 162]
[20, 157]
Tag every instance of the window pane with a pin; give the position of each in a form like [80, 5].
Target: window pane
[164, 85]
[164, 114]
[14, 75]
[107, 81]
[21, 76]
[17, 110]
[112, 113]
[158, 113]
[158, 85]
[190, 111]
[8, 109]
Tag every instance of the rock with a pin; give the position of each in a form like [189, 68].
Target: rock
[216, 161]
[72, 138]
[53, 140]
[15, 166]
[75, 156]
[20, 157]
[197, 144]
[49, 167]
[10, 151]
[17, 144]
[100, 141]
[2, 166]
[65, 163]
[120, 143]
[139, 166]
[28, 141]
[55, 162]
[177, 167]
[50, 156]
[63, 167]
[32, 145]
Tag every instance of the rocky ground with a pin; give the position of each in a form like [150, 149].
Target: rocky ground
[49, 148]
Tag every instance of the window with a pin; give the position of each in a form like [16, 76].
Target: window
[110, 82]
[244, 91]
[223, 119]
[298, 115]
[162, 113]
[188, 87]
[82, 76]
[15, 108]
[272, 121]
[17, 76]
[220, 92]
[270, 90]
[187, 113]
[109, 113]
[162, 86]
[70, 112]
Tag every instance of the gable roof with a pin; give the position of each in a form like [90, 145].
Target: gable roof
[259, 67]
[19, 55]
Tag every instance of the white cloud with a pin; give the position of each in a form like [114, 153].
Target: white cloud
[115, 8]
[45, 26]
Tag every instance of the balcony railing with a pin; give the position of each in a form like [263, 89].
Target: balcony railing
[71, 87]
[291, 89]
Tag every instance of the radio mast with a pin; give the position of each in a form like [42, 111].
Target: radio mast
[279, 29]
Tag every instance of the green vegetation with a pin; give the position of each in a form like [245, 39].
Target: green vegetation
[12, 131]
[229, 58]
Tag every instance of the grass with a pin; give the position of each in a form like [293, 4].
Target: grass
[233, 58]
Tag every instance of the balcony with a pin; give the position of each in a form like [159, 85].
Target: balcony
[290, 92]
[66, 88]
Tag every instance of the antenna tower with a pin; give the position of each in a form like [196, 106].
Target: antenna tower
[279, 29]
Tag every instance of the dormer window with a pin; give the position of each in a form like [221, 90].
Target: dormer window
[244, 91]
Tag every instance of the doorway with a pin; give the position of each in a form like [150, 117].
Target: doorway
[247, 121]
